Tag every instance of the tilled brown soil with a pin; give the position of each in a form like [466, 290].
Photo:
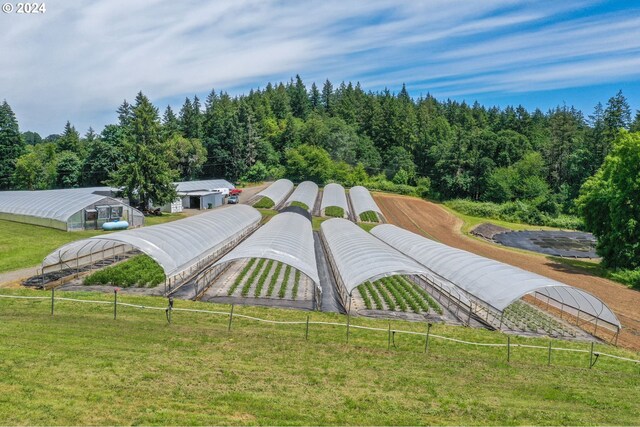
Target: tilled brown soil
[434, 221]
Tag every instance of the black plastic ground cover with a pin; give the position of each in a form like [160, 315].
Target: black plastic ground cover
[572, 244]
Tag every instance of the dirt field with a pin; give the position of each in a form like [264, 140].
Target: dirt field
[435, 222]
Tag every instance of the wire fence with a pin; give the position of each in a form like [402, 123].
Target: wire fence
[169, 309]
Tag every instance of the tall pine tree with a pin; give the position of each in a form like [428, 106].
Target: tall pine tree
[11, 145]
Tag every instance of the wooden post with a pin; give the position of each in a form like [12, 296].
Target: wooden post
[52, 299]
[348, 318]
[426, 340]
[508, 348]
[549, 357]
[591, 356]
[115, 303]
[389, 338]
[306, 333]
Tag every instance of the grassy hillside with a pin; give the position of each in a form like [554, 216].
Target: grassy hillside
[82, 367]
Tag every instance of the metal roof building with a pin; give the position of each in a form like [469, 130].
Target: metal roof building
[67, 209]
[203, 185]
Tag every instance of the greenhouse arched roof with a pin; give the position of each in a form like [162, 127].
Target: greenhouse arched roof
[362, 201]
[57, 205]
[359, 256]
[493, 282]
[203, 185]
[306, 192]
[175, 246]
[287, 238]
[277, 191]
[334, 195]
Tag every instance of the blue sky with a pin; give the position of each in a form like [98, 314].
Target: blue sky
[80, 59]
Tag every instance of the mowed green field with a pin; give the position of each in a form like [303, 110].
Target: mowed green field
[82, 367]
[26, 245]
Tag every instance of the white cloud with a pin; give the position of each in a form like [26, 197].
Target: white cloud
[81, 59]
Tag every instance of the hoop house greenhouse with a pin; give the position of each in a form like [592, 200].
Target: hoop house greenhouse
[362, 202]
[306, 192]
[276, 192]
[181, 247]
[69, 209]
[286, 238]
[356, 256]
[334, 195]
[492, 287]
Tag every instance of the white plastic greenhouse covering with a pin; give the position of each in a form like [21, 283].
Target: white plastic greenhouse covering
[362, 201]
[277, 191]
[493, 282]
[287, 238]
[334, 195]
[52, 208]
[176, 246]
[360, 257]
[306, 192]
[204, 185]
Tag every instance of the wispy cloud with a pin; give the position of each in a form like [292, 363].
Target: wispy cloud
[81, 59]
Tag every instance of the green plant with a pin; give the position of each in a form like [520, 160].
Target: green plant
[388, 284]
[252, 278]
[274, 279]
[391, 305]
[300, 205]
[241, 276]
[264, 203]
[376, 298]
[365, 298]
[334, 211]
[139, 271]
[296, 284]
[262, 279]
[285, 281]
[369, 216]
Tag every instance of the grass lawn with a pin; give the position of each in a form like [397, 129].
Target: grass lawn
[165, 217]
[25, 245]
[472, 221]
[82, 367]
[267, 214]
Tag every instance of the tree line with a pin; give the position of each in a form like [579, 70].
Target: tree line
[531, 161]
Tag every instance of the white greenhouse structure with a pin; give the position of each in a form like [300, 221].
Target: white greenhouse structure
[181, 248]
[356, 256]
[70, 209]
[334, 195]
[306, 192]
[286, 238]
[491, 286]
[276, 192]
[362, 201]
[203, 185]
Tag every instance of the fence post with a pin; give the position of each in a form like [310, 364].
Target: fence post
[591, 356]
[52, 299]
[426, 340]
[169, 309]
[389, 338]
[348, 318]
[230, 317]
[115, 303]
[306, 333]
[549, 358]
[508, 348]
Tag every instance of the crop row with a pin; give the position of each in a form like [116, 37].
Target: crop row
[300, 205]
[523, 316]
[255, 273]
[264, 203]
[334, 211]
[397, 292]
[240, 277]
[252, 278]
[369, 216]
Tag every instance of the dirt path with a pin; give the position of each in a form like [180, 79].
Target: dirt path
[434, 221]
[13, 278]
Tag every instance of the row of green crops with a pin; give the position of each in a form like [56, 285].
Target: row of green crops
[139, 271]
[334, 211]
[255, 273]
[369, 216]
[521, 315]
[264, 203]
[300, 205]
[397, 293]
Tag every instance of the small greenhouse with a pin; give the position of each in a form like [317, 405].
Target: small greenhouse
[70, 209]
[363, 203]
[334, 196]
[276, 192]
[492, 287]
[306, 193]
[181, 247]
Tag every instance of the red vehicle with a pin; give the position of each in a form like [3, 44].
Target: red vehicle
[235, 191]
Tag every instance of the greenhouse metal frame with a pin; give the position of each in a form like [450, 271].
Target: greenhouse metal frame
[277, 192]
[286, 238]
[306, 192]
[362, 201]
[62, 209]
[334, 195]
[181, 247]
[356, 256]
[492, 286]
